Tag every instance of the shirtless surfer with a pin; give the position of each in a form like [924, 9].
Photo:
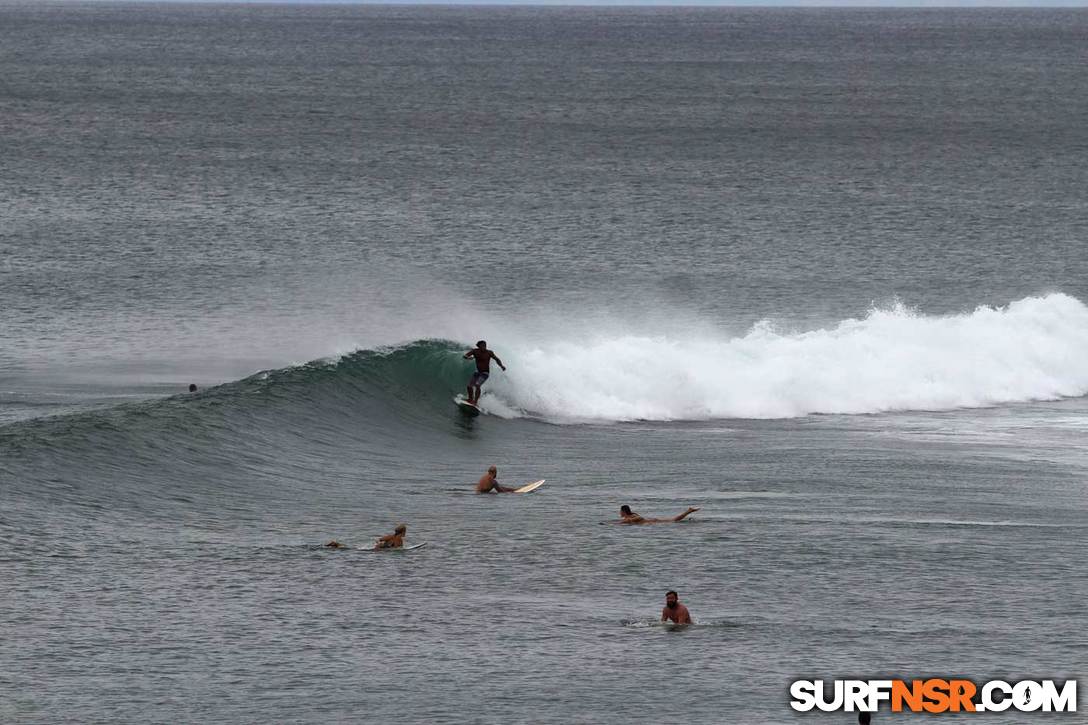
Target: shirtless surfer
[674, 611]
[483, 358]
[627, 516]
[394, 540]
[490, 482]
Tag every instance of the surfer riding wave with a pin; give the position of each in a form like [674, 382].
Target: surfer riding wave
[483, 358]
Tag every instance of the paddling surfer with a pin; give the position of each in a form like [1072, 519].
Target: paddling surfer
[674, 611]
[483, 358]
[490, 482]
[394, 540]
[627, 516]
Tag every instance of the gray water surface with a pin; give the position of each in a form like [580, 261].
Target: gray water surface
[658, 218]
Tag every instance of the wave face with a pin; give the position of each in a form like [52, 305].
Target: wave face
[891, 360]
[373, 409]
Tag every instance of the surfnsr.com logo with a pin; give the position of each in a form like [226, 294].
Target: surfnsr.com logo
[934, 695]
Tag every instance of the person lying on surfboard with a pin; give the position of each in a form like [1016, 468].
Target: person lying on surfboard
[483, 358]
[490, 482]
[674, 611]
[394, 540]
[627, 516]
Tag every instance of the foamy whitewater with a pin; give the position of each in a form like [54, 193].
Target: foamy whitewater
[890, 360]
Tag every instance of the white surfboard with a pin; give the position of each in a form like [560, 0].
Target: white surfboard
[413, 547]
[530, 487]
[466, 407]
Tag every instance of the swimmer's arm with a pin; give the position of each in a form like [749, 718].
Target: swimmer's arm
[496, 358]
[664, 617]
[467, 355]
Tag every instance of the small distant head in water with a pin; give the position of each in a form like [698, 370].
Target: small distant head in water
[401, 530]
[493, 471]
[625, 510]
[192, 387]
[334, 544]
[671, 599]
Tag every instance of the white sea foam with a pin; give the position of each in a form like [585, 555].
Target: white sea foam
[892, 359]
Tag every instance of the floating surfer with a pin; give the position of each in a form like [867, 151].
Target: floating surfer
[334, 544]
[394, 540]
[674, 611]
[627, 516]
[483, 358]
[490, 482]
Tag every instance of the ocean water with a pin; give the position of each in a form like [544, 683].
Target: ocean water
[822, 273]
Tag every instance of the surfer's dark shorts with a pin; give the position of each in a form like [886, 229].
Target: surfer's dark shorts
[478, 378]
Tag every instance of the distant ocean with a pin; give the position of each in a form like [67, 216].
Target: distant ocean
[822, 273]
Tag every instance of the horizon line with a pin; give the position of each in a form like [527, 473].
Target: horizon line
[843, 4]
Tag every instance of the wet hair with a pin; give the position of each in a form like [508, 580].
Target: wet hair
[625, 509]
[672, 593]
[192, 387]
[481, 343]
[492, 469]
[401, 528]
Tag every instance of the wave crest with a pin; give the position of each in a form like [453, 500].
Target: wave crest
[890, 360]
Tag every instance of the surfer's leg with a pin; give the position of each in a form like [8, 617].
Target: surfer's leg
[687, 513]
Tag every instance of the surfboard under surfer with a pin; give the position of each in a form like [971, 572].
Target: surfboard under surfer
[490, 482]
[483, 358]
[627, 516]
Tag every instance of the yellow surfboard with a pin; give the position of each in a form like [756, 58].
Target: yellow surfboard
[530, 487]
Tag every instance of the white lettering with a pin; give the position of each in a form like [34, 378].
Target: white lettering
[803, 693]
[1064, 701]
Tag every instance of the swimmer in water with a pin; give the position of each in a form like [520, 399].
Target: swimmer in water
[627, 516]
[490, 482]
[394, 540]
[674, 611]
